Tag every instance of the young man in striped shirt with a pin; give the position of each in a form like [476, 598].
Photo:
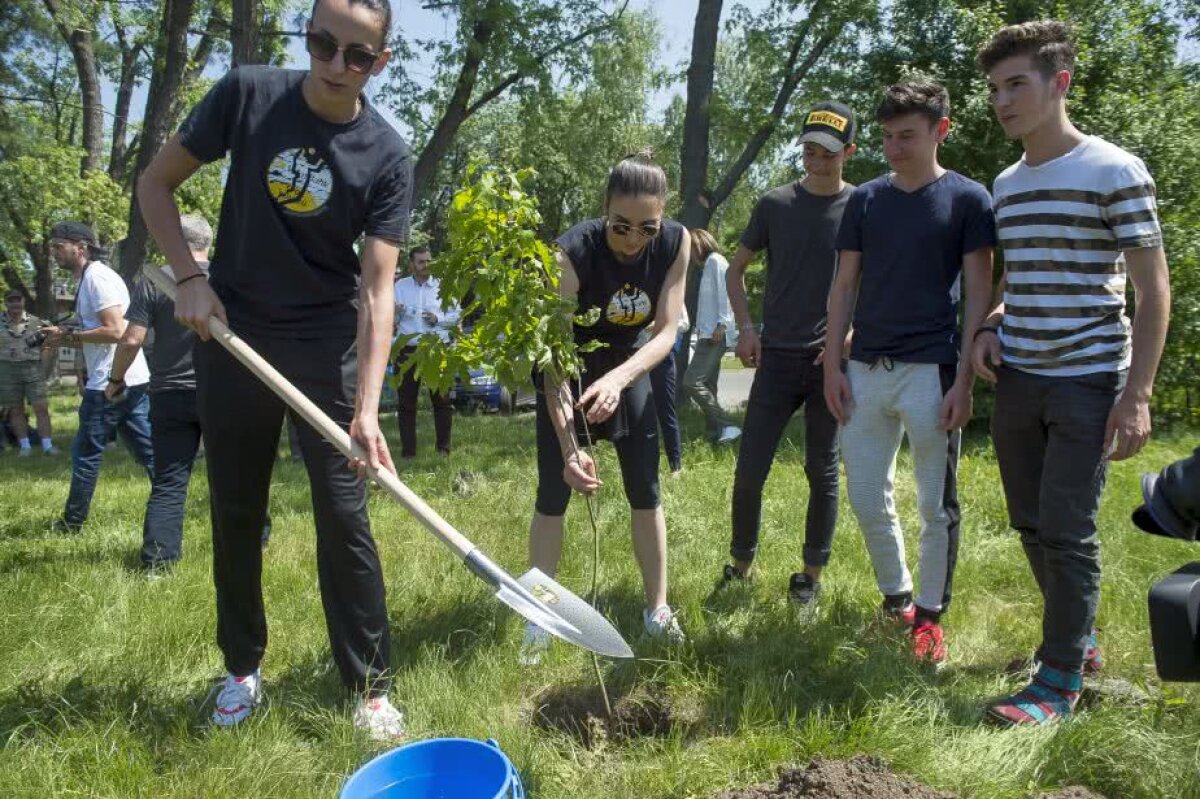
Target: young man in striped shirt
[1075, 215]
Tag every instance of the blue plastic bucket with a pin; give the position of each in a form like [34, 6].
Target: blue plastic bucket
[440, 768]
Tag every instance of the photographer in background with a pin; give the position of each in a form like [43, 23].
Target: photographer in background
[100, 304]
[23, 367]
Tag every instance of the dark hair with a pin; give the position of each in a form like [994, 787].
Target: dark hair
[12, 294]
[382, 8]
[923, 96]
[415, 251]
[636, 175]
[1047, 42]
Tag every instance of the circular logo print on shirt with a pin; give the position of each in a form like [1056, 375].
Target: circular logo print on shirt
[629, 307]
[300, 180]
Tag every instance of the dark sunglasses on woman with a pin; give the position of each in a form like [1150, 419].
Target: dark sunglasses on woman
[647, 231]
[324, 47]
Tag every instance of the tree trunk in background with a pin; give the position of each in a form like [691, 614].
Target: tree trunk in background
[170, 61]
[244, 32]
[693, 167]
[456, 110]
[118, 161]
[84, 53]
[694, 157]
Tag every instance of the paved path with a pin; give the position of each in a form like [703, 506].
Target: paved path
[733, 386]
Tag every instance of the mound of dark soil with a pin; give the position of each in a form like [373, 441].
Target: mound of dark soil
[646, 711]
[861, 777]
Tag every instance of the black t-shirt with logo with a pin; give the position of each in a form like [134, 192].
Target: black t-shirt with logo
[626, 293]
[300, 192]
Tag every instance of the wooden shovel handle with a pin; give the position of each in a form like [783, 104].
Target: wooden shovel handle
[320, 422]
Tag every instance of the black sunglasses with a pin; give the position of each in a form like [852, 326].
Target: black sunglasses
[647, 231]
[324, 47]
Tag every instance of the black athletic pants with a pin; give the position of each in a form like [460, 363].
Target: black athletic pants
[784, 382]
[241, 420]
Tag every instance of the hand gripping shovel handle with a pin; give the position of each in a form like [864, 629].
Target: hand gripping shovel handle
[572, 619]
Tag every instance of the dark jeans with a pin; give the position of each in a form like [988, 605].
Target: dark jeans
[784, 382]
[406, 412]
[662, 385]
[241, 420]
[176, 435]
[130, 415]
[1049, 439]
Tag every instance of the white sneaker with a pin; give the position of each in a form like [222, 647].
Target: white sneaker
[237, 699]
[729, 434]
[379, 718]
[661, 623]
[534, 645]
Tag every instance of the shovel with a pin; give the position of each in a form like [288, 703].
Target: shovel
[534, 596]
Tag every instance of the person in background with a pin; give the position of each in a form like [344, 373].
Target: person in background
[24, 364]
[1077, 218]
[715, 332]
[100, 305]
[420, 311]
[174, 422]
[662, 387]
[796, 224]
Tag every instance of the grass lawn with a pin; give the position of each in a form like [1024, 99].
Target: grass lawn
[106, 679]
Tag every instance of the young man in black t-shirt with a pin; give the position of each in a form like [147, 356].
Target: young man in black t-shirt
[796, 225]
[313, 166]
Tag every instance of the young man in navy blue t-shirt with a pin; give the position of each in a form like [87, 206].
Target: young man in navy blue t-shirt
[313, 167]
[908, 243]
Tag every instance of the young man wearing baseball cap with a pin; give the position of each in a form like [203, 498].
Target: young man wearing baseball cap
[1077, 218]
[100, 304]
[912, 243]
[796, 224]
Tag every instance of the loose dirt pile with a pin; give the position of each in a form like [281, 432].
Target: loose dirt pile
[862, 777]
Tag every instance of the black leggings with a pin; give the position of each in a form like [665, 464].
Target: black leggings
[637, 451]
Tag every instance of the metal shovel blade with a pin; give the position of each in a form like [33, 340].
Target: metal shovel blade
[558, 611]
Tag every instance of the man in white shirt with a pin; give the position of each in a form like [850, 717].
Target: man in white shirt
[100, 305]
[420, 311]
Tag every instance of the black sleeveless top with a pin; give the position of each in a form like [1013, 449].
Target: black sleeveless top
[625, 293]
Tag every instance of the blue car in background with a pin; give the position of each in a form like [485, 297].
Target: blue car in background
[480, 391]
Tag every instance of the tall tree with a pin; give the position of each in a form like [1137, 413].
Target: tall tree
[700, 75]
[76, 28]
[171, 61]
[501, 45]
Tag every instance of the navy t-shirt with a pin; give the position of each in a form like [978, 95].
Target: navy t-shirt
[912, 246]
[300, 192]
[626, 293]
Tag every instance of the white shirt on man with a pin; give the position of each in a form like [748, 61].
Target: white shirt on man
[413, 300]
[101, 288]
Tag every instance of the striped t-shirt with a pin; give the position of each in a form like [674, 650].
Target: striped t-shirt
[1063, 225]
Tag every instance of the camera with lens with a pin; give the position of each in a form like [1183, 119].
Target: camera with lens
[1171, 507]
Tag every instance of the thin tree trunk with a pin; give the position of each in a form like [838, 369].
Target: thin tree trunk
[456, 110]
[700, 74]
[117, 162]
[83, 51]
[244, 32]
[171, 60]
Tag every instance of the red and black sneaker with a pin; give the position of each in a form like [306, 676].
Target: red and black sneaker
[928, 642]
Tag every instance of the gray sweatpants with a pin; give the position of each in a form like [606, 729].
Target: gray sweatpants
[891, 400]
[1049, 439]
